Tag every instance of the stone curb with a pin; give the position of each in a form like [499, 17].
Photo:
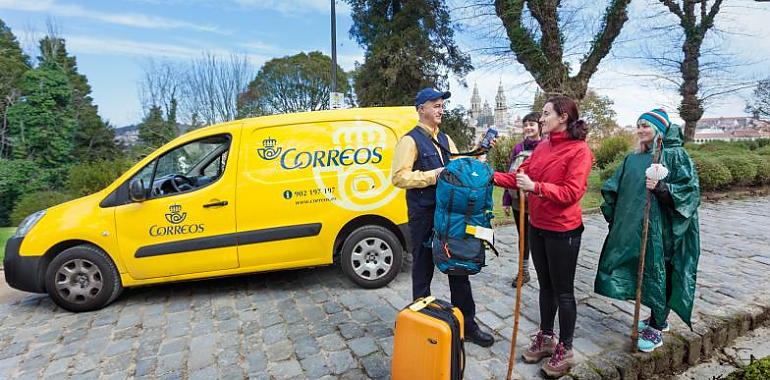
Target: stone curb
[680, 351]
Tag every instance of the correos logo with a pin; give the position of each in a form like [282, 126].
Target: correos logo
[351, 164]
[295, 159]
[175, 216]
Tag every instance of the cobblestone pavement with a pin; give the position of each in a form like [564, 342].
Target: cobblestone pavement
[314, 323]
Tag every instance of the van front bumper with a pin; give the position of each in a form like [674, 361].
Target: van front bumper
[21, 272]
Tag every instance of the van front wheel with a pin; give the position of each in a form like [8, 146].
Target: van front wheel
[372, 256]
[82, 278]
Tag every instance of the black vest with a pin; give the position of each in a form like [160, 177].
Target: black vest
[418, 200]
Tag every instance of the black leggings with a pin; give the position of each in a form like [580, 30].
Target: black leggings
[555, 257]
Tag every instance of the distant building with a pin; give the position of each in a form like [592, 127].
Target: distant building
[127, 136]
[484, 117]
[739, 128]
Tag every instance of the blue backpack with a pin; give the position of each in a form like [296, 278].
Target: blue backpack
[463, 206]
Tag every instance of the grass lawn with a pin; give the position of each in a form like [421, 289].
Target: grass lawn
[5, 234]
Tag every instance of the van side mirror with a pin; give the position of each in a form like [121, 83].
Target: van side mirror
[136, 190]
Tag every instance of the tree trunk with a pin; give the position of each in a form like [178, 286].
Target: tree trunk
[691, 108]
[543, 57]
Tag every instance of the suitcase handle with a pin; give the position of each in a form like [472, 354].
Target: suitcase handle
[421, 303]
[443, 305]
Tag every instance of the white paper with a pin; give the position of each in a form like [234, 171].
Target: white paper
[486, 234]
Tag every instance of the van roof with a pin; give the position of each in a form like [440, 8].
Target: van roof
[330, 115]
[371, 113]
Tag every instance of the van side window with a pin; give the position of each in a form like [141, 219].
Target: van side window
[187, 167]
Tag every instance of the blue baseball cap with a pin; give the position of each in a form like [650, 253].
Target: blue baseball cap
[429, 93]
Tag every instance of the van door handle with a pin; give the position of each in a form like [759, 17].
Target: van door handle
[215, 204]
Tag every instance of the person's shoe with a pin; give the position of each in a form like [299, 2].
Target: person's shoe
[646, 322]
[649, 340]
[479, 337]
[560, 362]
[542, 346]
[524, 279]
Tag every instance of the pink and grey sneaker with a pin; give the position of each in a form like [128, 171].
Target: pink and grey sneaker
[542, 346]
[560, 362]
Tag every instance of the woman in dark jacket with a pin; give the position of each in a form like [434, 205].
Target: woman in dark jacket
[520, 152]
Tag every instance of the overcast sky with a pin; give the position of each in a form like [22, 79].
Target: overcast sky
[113, 41]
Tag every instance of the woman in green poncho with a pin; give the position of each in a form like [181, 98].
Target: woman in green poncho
[673, 244]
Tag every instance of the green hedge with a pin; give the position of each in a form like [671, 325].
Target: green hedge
[765, 150]
[763, 171]
[743, 168]
[712, 173]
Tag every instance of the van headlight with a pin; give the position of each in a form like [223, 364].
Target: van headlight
[28, 223]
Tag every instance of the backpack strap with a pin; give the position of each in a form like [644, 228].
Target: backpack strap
[468, 213]
[493, 248]
[449, 213]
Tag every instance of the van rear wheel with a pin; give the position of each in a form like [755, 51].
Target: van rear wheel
[372, 256]
[82, 278]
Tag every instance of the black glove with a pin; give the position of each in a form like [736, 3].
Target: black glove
[662, 194]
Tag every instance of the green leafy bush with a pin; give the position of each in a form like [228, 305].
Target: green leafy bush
[743, 168]
[610, 169]
[712, 173]
[763, 171]
[758, 370]
[88, 178]
[765, 150]
[500, 156]
[611, 149]
[19, 177]
[33, 202]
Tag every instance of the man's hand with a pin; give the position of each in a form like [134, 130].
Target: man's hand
[524, 183]
[437, 172]
[507, 210]
[651, 183]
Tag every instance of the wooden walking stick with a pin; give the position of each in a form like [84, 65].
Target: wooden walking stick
[512, 358]
[642, 253]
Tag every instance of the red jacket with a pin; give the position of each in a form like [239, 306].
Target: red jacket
[559, 166]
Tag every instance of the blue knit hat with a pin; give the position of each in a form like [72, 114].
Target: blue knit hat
[658, 118]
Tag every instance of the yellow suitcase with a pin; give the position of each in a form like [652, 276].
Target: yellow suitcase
[428, 342]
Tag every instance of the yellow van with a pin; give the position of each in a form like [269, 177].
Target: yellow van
[253, 195]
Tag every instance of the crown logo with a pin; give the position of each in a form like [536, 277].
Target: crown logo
[175, 214]
[269, 151]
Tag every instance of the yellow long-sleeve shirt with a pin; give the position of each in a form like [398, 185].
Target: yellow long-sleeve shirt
[404, 158]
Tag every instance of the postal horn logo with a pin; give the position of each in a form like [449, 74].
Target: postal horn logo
[175, 214]
[269, 151]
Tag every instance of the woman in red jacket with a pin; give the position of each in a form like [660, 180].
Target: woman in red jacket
[555, 178]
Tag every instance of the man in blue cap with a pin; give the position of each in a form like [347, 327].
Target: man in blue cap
[417, 163]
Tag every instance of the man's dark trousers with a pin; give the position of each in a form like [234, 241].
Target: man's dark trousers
[421, 229]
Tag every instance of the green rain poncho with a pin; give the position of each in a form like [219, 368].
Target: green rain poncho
[673, 233]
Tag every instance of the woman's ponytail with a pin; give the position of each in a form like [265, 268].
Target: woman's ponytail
[578, 130]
